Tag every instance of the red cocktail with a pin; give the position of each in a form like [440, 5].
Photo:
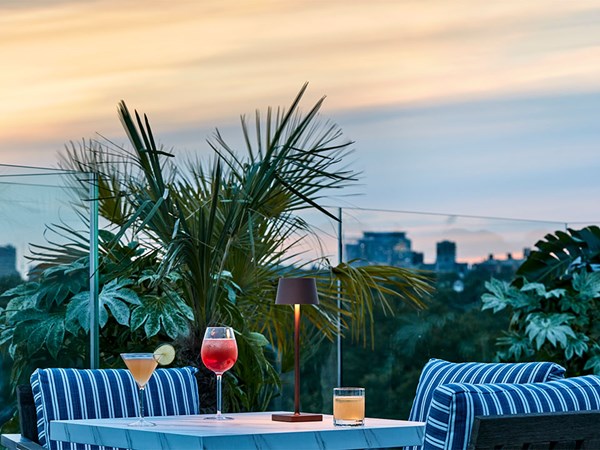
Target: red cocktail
[219, 353]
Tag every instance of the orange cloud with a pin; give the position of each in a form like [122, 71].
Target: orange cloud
[67, 64]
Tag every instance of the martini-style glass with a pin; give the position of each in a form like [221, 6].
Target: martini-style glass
[141, 366]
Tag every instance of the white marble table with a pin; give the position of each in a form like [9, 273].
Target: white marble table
[251, 431]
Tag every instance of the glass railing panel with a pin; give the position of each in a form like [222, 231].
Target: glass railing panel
[461, 253]
[32, 205]
[38, 217]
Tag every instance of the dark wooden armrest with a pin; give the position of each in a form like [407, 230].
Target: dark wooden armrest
[580, 429]
[27, 413]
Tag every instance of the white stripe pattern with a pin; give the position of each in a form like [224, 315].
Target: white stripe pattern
[465, 401]
[62, 394]
[438, 372]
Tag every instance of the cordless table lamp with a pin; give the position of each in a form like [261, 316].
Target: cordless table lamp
[297, 291]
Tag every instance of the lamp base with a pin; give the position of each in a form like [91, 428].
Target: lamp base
[300, 417]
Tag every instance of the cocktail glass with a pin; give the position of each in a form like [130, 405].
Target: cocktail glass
[141, 366]
[219, 353]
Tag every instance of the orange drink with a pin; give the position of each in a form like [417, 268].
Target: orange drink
[141, 366]
[141, 369]
[348, 406]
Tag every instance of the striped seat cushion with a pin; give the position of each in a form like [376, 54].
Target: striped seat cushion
[437, 372]
[454, 406]
[63, 394]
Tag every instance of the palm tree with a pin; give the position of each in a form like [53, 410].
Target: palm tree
[227, 230]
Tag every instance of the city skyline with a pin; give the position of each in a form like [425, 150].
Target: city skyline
[12, 261]
[458, 107]
[395, 248]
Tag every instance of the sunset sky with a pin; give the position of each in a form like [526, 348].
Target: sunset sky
[456, 106]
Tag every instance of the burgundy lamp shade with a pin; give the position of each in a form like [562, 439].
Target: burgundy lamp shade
[297, 291]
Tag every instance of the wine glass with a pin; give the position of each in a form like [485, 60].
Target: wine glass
[219, 353]
[141, 366]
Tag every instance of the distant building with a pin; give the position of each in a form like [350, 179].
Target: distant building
[418, 259]
[391, 248]
[445, 260]
[494, 266]
[8, 261]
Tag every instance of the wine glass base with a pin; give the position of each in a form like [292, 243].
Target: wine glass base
[141, 423]
[218, 418]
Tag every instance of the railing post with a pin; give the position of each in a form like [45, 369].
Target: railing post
[339, 301]
[94, 285]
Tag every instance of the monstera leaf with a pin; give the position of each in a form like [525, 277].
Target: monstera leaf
[561, 253]
[115, 296]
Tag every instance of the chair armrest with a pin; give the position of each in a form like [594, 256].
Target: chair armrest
[538, 430]
[27, 413]
[18, 442]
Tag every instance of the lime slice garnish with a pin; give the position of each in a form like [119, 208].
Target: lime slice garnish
[165, 354]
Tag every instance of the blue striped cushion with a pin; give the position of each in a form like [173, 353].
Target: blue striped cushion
[437, 372]
[454, 406]
[63, 394]
[172, 392]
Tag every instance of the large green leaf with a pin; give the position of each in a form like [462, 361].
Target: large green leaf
[577, 346]
[20, 303]
[115, 297]
[540, 290]
[35, 328]
[559, 253]
[552, 328]
[498, 296]
[594, 364]
[162, 313]
[22, 290]
[517, 346]
[587, 284]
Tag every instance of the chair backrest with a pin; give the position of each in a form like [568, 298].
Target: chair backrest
[455, 406]
[543, 431]
[437, 372]
[64, 394]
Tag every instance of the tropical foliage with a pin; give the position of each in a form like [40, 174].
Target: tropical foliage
[6, 389]
[47, 319]
[189, 243]
[554, 302]
[453, 328]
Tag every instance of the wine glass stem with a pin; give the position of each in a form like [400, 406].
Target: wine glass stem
[141, 400]
[219, 395]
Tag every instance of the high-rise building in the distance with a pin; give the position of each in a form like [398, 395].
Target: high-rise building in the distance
[8, 261]
[389, 247]
[445, 260]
